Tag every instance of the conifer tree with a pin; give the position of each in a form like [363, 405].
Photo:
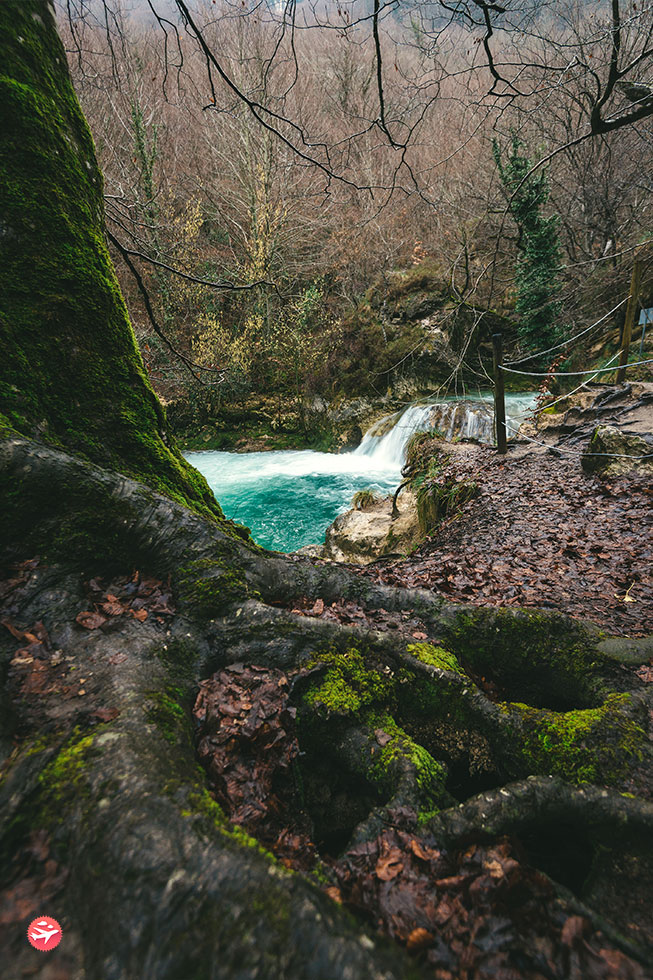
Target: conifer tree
[539, 248]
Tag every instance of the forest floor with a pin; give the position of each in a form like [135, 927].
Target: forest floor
[542, 533]
[122, 680]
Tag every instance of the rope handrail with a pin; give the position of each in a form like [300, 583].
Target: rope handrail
[520, 360]
[532, 412]
[569, 374]
[575, 452]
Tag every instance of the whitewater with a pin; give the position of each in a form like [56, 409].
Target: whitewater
[288, 498]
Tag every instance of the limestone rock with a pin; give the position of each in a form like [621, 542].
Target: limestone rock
[363, 535]
[630, 451]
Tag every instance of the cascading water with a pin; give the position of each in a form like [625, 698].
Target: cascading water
[386, 441]
[289, 498]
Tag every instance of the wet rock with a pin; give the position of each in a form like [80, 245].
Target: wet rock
[351, 438]
[369, 533]
[630, 451]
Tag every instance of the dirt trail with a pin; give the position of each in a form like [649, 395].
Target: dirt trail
[542, 533]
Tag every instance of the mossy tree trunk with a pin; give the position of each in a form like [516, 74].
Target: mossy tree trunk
[71, 373]
[106, 821]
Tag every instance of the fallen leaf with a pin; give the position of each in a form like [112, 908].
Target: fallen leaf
[20, 659]
[139, 614]
[573, 929]
[390, 864]
[420, 636]
[419, 939]
[105, 714]
[493, 868]
[424, 853]
[90, 620]
[335, 894]
[112, 608]
[21, 635]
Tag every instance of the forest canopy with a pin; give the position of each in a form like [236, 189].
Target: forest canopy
[294, 155]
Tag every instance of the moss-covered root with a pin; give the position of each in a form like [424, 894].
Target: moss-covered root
[121, 807]
[71, 373]
[596, 841]
[602, 745]
[68, 510]
[348, 707]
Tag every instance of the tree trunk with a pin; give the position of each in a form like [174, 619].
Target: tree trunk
[71, 372]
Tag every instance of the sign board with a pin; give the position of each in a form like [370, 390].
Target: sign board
[645, 317]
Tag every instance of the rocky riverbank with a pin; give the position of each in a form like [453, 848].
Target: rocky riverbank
[553, 523]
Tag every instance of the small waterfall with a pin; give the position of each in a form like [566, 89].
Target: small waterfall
[385, 442]
[387, 439]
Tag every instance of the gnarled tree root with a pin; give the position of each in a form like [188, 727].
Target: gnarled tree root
[105, 816]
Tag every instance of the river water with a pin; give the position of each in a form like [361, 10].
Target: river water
[289, 498]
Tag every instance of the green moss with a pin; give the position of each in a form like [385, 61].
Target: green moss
[166, 710]
[200, 804]
[538, 657]
[363, 499]
[63, 780]
[209, 586]
[349, 684]
[419, 697]
[429, 774]
[439, 498]
[71, 374]
[40, 744]
[424, 817]
[592, 745]
[179, 657]
[435, 656]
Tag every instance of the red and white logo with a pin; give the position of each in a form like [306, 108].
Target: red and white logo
[44, 933]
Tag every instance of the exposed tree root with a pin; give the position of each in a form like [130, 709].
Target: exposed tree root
[106, 816]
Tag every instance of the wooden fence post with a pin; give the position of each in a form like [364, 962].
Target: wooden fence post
[631, 310]
[499, 394]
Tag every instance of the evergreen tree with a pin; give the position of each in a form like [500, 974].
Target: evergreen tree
[539, 248]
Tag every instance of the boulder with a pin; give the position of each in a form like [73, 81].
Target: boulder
[369, 533]
[631, 451]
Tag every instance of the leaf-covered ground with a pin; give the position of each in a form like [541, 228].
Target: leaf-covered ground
[541, 533]
[473, 913]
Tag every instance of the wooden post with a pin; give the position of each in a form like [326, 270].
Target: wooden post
[499, 395]
[631, 310]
